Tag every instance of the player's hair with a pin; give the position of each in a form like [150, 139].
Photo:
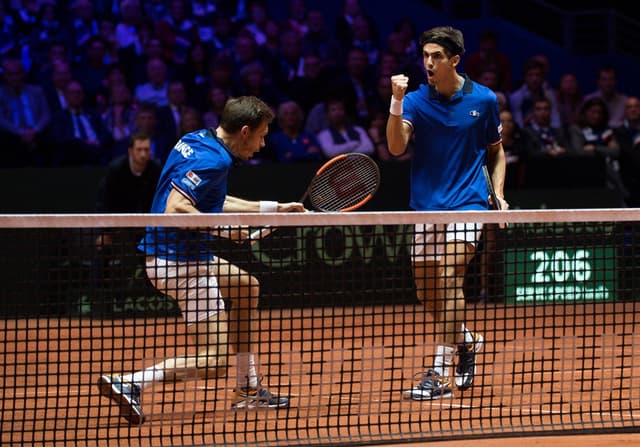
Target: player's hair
[245, 111]
[447, 37]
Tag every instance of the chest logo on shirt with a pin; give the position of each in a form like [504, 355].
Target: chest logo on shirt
[193, 178]
[474, 113]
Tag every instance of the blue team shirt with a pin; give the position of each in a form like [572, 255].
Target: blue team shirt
[197, 167]
[451, 139]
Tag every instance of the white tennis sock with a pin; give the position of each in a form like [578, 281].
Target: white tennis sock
[444, 360]
[145, 376]
[247, 371]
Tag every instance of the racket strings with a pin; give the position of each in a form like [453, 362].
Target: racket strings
[348, 183]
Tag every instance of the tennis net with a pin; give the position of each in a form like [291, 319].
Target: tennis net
[339, 331]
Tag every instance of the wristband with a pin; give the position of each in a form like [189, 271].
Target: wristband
[396, 106]
[268, 206]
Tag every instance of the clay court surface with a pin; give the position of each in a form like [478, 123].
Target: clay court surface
[543, 369]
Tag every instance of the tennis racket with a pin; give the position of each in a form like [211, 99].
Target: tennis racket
[344, 183]
[492, 192]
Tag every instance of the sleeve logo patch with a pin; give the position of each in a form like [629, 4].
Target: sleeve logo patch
[193, 178]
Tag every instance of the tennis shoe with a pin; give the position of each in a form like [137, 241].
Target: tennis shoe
[126, 395]
[257, 397]
[431, 387]
[466, 366]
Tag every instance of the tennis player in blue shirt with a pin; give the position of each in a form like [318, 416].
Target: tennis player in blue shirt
[457, 130]
[179, 264]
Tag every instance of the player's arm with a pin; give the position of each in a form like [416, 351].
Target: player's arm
[398, 131]
[236, 205]
[497, 163]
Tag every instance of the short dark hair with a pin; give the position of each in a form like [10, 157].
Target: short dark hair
[137, 136]
[449, 38]
[245, 111]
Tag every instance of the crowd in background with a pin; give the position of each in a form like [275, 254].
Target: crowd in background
[81, 77]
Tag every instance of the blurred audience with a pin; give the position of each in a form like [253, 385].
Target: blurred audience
[79, 133]
[628, 137]
[147, 66]
[608, 92]
[488, 57]
[291, 143]
[548, 140]
[24, 116]
[568, 99]
[534, 87]
[592, 136]
[341, 136]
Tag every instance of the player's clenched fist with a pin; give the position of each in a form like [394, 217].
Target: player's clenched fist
[399, 85]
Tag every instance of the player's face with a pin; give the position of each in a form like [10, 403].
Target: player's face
[252, 141]
[438, 66]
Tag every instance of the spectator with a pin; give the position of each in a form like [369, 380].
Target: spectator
[517, 146]
[190, 121]
[320, 41]
[341, 137]
[47, 29]
[177, 32]
[296, 21]
[363, 38]
[107, 33]
[344, 32]
[130, 180]
[221, 73]
[146, 121]
[489, 57]
[308, 89]
[79, 134]
[82, 27]
[359, 84]
[7, 31]
[216, 99]
[127, 39]
[155, 90]
[407, 30]
[246, 52]
[194, 75]
[594, 137]
[254, 82]
[203, 13]
[56, 52]
[548, 140]
[489, 78]
[568, 99]
[608, 92]
[628, 136]
[291, 143]
[257, 21]
[533, 88]
[290, 59]
[169, 116]
[54, 89]
[223, 39]
[24, 116]
[92, 69]
[118, 117]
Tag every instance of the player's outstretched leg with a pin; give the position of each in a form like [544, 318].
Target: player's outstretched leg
[432, 386]
[125, 394]
[466, 365]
